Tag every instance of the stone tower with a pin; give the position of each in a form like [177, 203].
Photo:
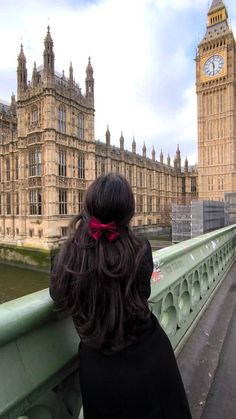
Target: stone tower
[53, 158]
[216, 95]
[21, 73]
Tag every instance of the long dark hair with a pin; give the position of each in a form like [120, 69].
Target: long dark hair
[96, 280]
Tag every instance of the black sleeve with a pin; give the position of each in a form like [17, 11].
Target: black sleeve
[145, 271]
[173, 399]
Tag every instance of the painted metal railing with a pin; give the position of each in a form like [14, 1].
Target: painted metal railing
[38, 351]
[185, 277]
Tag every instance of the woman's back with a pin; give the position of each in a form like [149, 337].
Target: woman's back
[102, 277]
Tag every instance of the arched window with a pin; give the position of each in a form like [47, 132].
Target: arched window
[62, 118]
[62, 162]
[81, 126]
[35, 201]
[34, 115]
[17, 167]
[81, 166]
[8, 169]
[35, 162]
[8, 199]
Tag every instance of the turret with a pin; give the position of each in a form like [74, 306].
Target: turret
[168, 160]
[134, 146]
[153, 154]
[34, 76]
[48, 58]
[186, 165]
[144, 150]
[71, 76]
[89, 81]
[13, 105]
[161, 157]
[178, 159]
[21, 73]
[122, 142]
[108, 137]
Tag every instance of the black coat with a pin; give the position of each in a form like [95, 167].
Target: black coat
[141, 381]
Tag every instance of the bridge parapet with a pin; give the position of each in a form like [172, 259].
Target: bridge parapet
[185, 277]
[38, 352]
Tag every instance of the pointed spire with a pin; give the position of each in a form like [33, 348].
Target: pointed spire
[186, 165]
[168, 159]
[108, 136]
[21, 56]
[89, 69]
[34, 76]
[13, 99]
[133, 146]
[144, 149]
[161, 157]
[178, 152]
[216, 4]
[122, 142]
[217, 14]
[71, 76]
[153, 154]
[178, 158]
[48, 38]
[89, 81]
[21, 73]
[13, 104]
[48, 58]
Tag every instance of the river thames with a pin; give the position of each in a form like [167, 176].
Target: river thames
[16, 282]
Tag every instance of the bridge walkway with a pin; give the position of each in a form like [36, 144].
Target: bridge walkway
[221, 401]
[208, 359]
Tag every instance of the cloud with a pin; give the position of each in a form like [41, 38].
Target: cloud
[143, 57]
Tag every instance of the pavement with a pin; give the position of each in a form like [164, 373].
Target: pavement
[221, 401]
[208, 360]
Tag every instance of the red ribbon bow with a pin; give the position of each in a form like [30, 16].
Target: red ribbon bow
[96, 229]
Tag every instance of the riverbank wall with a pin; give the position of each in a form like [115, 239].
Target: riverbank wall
[27, 257]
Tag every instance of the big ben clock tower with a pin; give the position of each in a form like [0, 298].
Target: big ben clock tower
[216, 95]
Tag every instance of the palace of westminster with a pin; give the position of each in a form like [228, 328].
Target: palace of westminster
[49, 155]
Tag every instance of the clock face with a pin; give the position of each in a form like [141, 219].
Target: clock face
[213, 65]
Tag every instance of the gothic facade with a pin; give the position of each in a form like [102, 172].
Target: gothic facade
[49, 156]
[215, 82]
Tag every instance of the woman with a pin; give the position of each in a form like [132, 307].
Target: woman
[101, 277]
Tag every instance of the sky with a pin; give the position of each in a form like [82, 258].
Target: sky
[142, 53]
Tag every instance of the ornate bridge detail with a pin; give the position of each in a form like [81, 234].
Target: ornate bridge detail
[38, 351]
[185, 278]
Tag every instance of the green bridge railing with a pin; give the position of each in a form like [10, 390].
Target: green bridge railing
[38, 352]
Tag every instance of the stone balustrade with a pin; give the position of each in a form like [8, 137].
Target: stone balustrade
[38, 351]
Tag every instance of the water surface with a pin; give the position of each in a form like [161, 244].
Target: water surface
[16, 282]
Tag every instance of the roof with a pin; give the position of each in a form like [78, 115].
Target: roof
[4, 106]
[218, 29]
[216, 4]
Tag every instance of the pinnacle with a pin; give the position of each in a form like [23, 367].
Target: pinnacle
[48, 36]
[21, 55]
[216, 4]
[89, 66]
